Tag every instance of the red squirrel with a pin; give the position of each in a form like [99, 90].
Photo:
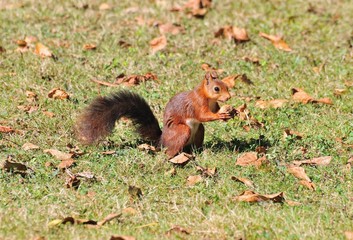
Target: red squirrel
[183, 116]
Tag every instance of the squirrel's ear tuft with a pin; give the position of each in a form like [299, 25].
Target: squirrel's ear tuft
[211, 75]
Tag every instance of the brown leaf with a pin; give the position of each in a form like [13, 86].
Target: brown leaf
[58, 154]
[233, 33]
[72, 181]
[339, 92]
[320, 161]
[228, 109]
[300, 96]
[89, 46]
[29, 146]
[122, 237]
[146, 147]
[158, 44]
[5, 129]
[124, 44]
[43, 51]
[66, 163]
[246, 181]
[171, 28]
[181, 159]
[251, 197]
[291, 133]
[298, 172]
[104, 6]
[48, 114]
[108, 84]
[308, 184]
[348, 235]
[177, 229]
[192, 180]
[134, 80]
[207, 172]
[250, 158]
[27, 108]
[253, 60]
[277, 41]
[57, 93]
[275, 103]
[21, 43]
[109, 218]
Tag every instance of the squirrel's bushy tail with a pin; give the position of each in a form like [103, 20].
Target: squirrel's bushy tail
[98, 119]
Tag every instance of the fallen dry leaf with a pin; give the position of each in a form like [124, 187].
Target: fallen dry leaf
[158, 44]
[177, 229]
[339, 92]
[250, 158]
[109, 218]
[320, 161]
[57, 93]
[9, 165]
[72, 181]
[5, 129]
[207, 172]
[104, 6]
[277, 41]
[298, 172]
[66, 163]
[291, 133]
[29, 146]
[27, 108]
[133, 80]
[171, 28]
[59, 154]
[122, 237]
[251, 197]
[198, 8]
[181, 159]
[300, 95]
[89, 46]
[275, 103]
[124, 44]
[42, 50]
[246, 181]
[228, 109]
[348, 235]
[146, 147]
[192, 180]
[233, 33]
[253, 60]
[309, 185]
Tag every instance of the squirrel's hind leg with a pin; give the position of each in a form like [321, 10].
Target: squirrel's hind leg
[174, 138]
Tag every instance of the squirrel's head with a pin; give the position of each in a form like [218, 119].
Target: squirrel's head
[215, 88]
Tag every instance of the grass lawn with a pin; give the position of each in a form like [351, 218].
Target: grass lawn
[321, 62]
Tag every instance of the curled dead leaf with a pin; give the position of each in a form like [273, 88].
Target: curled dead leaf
[89, 46]
[109, 218]
[29, 146]
[319, 161]
[307, 184]
[57, 93]
[42, 50]
[192, 180]
[59, 154]
[252, 197]
[298, 172]
[233, 33]
[178, 229]
[275, 103]
[5, 129]
[250, 159]
[300, 95]
[146, 147]
[181, 159]
[66, 163]
[171, 28]
[133, 80]
[207, 172]
[245, 181]
[158, 44]
[277, 41]
[290, 133]
[9, 165]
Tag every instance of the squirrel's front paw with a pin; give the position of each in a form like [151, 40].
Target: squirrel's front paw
[227, 112]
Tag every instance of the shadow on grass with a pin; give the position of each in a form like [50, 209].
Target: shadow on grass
[218, 145]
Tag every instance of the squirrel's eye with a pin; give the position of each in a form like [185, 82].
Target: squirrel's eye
[216, 89]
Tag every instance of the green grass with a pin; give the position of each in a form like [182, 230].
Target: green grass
[28, 204]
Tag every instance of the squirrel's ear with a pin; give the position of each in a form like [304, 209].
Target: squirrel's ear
[212, 75]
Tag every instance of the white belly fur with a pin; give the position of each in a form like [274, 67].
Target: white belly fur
[194, 126]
